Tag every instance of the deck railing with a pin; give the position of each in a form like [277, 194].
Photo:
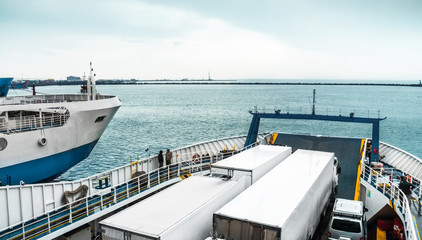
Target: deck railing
[397, 197]
[29, 123]
[328, 111]
[383, 180]
[48, 98]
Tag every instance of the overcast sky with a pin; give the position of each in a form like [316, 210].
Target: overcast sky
[231, 39]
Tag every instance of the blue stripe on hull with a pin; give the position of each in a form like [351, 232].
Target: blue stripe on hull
[47, 167]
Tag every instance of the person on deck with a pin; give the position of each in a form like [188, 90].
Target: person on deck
[160, 159]
[169, 156]
[406, 187]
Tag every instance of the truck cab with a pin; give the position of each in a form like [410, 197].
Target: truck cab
[348, 220]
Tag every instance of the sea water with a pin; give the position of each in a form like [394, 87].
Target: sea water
[157, 117]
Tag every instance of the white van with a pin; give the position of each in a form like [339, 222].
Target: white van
[347, 220]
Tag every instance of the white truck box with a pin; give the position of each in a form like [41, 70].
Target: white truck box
[284, 204]
[182, 211]
[254, 162]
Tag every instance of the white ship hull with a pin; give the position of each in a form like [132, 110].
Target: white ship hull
[26, 159]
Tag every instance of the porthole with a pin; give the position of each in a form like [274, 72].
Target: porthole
[3, 143]
[100, 119]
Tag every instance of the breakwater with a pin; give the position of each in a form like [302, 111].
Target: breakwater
[214, 82]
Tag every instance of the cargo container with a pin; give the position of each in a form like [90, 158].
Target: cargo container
[253, 163]
[286, 203]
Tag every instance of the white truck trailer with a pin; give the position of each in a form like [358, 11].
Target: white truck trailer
[182, 211]
[286, 203]
[253, 163]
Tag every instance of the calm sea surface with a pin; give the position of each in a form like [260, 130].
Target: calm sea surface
[172, 116]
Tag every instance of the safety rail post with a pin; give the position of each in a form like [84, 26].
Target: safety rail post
[48, 220]
[139, 184]
[101, 200]
[383, 188]
[70, 213]
[407, 219]
[178, 169]
[189, 166]
[114, 195]
[393, 192]
[149, 180]
[158, 175]
[201, 164]
[168, 172]
[23, 230]
[87, 207]
[420, 192]
[127, 189]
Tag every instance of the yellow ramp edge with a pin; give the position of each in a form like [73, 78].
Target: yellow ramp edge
[273, 138]
[357, 188]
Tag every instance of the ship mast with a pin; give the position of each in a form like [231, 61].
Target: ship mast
[88, 87]
[92, 89]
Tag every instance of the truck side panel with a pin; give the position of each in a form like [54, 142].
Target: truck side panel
[305, 219]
